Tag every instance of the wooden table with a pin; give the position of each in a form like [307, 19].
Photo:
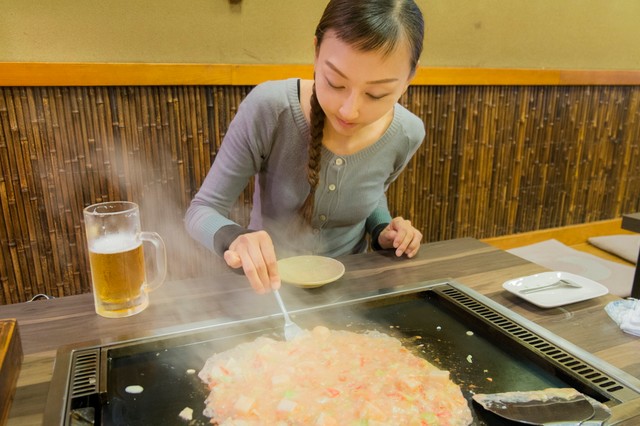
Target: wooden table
[45, 325]
[631, 222]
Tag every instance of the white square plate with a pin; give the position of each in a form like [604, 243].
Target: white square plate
[557, 296]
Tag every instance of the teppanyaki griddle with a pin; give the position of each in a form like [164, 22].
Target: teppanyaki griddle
[486, 347]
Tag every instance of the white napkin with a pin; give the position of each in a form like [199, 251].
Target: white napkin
[626, 313]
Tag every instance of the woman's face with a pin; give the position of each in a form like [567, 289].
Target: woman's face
[355, 88]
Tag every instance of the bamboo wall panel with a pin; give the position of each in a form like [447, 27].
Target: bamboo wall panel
[496, 160]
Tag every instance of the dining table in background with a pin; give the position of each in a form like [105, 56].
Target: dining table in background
[46, 325]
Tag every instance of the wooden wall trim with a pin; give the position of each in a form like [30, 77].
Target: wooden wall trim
[148, 74]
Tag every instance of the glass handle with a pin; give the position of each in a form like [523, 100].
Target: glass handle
[160, 256]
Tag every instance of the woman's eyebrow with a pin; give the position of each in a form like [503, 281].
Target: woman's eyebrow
[384, 80]
[333, 67]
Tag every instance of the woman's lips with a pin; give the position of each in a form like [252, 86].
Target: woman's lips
[345, 124]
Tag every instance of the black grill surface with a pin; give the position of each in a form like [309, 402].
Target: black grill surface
[485, 351]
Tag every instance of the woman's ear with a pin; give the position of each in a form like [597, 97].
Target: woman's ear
[407, 83]
[315, 46]
[410, 78]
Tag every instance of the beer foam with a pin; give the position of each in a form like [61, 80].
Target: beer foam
[115, 243]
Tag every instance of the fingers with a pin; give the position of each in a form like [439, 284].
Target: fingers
[271, 261]
[254, 252]
[407, 239]
[233, 259]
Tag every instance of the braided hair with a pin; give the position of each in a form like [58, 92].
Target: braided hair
[313, 166]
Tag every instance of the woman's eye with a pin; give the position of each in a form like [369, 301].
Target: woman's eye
[375, 97]
[334, 86]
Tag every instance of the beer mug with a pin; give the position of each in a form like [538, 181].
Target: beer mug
[116, 258]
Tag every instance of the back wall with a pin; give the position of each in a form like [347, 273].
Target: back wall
[580, 34]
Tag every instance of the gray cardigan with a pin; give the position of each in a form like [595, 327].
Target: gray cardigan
[268, 138]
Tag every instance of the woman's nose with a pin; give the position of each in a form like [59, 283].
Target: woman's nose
[350, 108]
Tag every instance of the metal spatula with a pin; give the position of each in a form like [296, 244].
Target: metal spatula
[602, 413]
[534, 408]
[291, 329]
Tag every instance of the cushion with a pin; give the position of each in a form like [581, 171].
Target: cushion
[625, 246]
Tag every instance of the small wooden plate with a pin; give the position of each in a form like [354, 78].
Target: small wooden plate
[310, 271]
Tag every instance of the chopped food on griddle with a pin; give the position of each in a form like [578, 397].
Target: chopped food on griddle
[134, 389]
[186, 414]
[330, 377]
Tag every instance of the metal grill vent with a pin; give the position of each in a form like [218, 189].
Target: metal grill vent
[84, 373]
[557, 355]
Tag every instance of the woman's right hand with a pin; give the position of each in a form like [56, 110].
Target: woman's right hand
[255, 254]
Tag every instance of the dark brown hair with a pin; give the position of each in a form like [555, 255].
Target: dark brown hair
[367, 25]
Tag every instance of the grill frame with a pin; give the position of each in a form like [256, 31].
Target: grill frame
[85, 373]
[555, 350]
[79, 368]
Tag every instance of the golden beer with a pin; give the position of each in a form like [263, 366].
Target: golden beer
[114, 240]
[118, 274]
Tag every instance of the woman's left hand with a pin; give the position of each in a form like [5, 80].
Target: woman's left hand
[402, 236]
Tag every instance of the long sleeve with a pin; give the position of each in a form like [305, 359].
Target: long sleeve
[379, 216]
[241, 154]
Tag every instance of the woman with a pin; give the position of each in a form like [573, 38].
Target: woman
[323, 151]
